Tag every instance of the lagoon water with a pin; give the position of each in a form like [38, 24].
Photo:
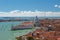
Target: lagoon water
[7, 34]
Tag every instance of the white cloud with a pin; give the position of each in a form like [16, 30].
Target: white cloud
[57, 6]
[15, 11]
[18, 13]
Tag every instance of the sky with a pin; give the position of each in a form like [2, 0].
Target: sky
[36, 7]
[25, 5]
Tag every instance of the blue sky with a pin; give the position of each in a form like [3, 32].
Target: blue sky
[25, 5]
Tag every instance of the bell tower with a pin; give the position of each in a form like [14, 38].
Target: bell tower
[36, 22]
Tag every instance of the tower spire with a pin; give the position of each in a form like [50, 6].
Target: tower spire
[37, 23]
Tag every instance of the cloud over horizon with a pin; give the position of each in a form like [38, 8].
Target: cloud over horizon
[18, 13]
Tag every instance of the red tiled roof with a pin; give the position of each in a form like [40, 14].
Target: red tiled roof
[27, 23]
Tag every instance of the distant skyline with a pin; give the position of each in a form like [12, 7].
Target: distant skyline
[30, 5]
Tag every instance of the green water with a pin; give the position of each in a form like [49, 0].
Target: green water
[7, 34]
